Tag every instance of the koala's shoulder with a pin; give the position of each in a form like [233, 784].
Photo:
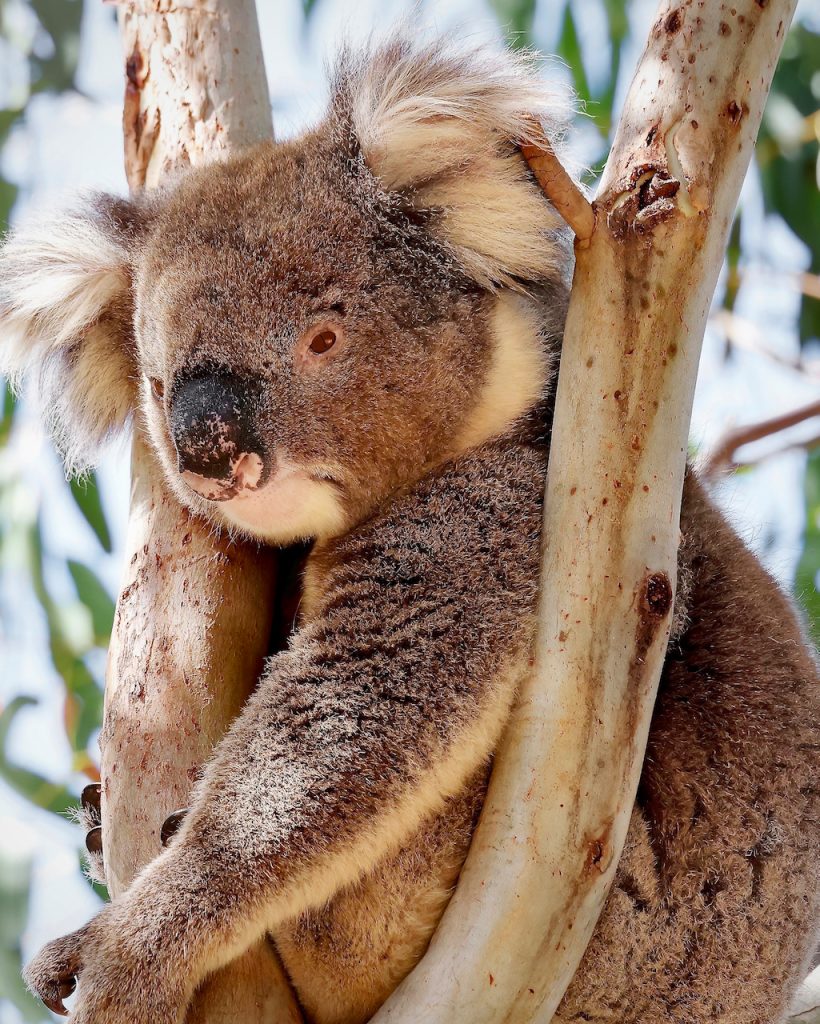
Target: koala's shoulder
[475, 523]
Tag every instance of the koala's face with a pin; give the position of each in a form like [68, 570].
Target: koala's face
[300, 357]
[309, 326]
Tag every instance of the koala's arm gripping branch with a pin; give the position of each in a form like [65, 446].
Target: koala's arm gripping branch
[387, 702]
[564, 780]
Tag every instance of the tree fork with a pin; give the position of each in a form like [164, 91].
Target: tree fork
[193, 617]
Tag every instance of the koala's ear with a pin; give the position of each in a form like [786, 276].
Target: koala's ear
[66, 320]
[439, 124]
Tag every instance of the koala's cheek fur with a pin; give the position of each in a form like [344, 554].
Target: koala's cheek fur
[517, 372]
[291, 507]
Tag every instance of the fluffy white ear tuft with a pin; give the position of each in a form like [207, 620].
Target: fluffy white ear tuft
[440, 123]
[65, 320]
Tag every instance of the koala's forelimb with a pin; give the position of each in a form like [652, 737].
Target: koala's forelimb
[391, 695]
[355, 734]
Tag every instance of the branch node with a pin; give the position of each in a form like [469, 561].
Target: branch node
[564, 193]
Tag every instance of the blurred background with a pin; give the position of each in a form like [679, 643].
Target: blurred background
[756, 427]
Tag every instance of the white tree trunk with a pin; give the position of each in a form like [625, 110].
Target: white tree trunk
[194, 614]
[564, 782]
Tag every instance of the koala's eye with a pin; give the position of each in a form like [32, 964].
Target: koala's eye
[157, 388]
[321, 342]
[319, 346]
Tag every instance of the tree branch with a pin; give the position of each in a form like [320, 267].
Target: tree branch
[194, 614]
[723, 455]
[564, 193]
[564, 781]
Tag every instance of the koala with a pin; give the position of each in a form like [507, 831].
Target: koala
[351, 339]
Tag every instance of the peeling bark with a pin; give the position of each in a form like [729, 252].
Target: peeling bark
[194, 614]
[564, 781]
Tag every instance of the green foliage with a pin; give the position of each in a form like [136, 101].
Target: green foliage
[596, 104]
[569, 47]
[15, 890]
[50, 796]
[516, 18]
[86, 494]
[76, 629]
[805, 584]
[733, 265]
[788, 153]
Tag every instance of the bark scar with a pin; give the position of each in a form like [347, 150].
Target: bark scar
[657, 187]
[684, 200]
[599, 851]
[140, 127]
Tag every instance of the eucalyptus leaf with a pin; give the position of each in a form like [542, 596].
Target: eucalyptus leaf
[55, 73]
[516, 18]
[95, 598]
[86, 493]
[51, 796]
[7, 407]
[788, 154]
[15, 892]
[569, 48]
[806, 579]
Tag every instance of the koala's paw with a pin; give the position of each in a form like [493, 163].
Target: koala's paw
[52, 974]
[90, 818]
[117, 981]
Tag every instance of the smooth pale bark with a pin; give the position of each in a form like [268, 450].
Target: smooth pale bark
[564, 782]
[194, 614]
[806, 1005]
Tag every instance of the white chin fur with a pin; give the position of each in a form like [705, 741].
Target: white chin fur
[291, 506]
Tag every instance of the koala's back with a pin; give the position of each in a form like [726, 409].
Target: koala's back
[715, 897]
[714, 910]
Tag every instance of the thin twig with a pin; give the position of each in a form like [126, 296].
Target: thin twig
[802, 281]
[808, 446]
[742, 333]
[723, 455]
[558, 186]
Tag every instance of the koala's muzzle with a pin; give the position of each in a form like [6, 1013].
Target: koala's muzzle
[213, 416]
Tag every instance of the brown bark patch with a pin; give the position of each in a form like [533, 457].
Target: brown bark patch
[734, 112]
[657, 595]
[599, 851]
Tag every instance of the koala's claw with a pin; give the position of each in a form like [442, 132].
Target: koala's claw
[63, 990]
[90, 801]
[93, 840]
[90, 816]
[171, 825]
[52, 975]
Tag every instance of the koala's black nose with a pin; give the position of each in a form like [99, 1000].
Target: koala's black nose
[213, 415]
